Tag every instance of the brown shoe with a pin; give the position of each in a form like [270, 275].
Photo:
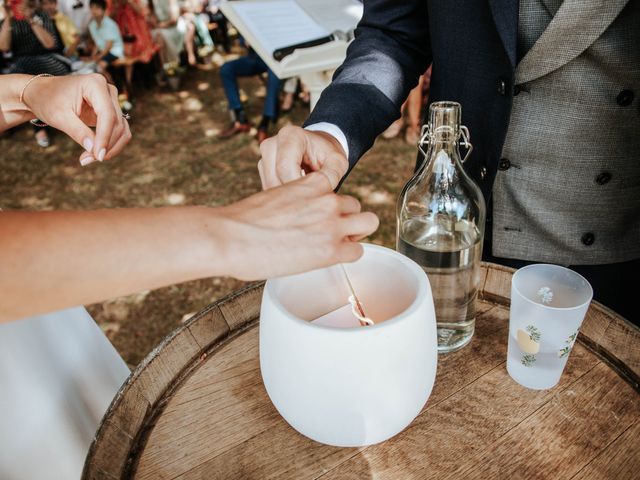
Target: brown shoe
[262, 135]
[234, 129]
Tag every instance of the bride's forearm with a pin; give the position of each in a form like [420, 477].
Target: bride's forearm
[53, 260]
[12, 110]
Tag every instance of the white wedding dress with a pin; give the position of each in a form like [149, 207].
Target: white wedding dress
[58, 375]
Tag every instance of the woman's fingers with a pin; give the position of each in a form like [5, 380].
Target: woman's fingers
[348, 252]
[359, 225]
[348, 205]
[121, 133]
[96, 93]
[121, 141]
[70, 124]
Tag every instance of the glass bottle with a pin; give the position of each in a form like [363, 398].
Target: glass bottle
[441, 215]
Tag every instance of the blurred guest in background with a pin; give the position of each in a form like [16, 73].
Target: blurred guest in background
[130, 15]
[218, 25]
[196, 32]
[79, 13]
[248, 66]
[64, 25]
[413, 108]
[290, 88]
[105, 33]
[163, 19]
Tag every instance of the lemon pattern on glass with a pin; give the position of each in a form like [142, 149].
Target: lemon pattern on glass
[529, 342]
[564, 351]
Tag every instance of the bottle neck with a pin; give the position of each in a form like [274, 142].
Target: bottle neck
[443, 158]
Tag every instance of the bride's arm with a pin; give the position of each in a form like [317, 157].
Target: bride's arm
[12, 111]
[53, 260]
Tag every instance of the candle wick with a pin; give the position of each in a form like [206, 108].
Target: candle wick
[364, 321]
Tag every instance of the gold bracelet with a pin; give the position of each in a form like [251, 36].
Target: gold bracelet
[29, 82]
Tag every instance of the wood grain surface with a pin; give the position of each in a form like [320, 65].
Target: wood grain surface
[196, 409]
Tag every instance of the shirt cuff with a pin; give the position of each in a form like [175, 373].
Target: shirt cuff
[332, 130]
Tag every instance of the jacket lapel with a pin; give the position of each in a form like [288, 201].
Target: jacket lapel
[575, 26]
[505, 16]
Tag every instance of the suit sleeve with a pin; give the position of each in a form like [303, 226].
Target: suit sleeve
[390, 51]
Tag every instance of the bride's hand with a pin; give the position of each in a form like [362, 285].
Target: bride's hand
[73, 104]
[293, 228]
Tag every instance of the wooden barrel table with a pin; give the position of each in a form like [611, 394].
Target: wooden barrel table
[196, 408]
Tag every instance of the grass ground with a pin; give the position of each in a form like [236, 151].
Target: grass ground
[175, 158]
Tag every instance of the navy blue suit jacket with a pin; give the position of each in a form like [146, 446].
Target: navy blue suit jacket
[472, 45]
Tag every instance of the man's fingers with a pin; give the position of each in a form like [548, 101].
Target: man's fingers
[291, 149]
[97, 94]
[121, 141]
[268, 150]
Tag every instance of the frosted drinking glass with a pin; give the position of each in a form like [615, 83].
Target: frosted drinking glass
[548, 304]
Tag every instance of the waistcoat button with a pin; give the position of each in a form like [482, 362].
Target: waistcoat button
[588, 238]
[603, 178]
[624, 98]
[504, 164]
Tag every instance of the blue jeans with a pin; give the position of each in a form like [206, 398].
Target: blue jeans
[249, 66]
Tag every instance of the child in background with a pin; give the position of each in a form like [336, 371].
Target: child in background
[105, 33]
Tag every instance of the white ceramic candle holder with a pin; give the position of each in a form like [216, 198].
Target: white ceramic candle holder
[350, 386]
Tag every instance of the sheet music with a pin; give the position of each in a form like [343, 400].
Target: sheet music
[279, 23]
[342, 15]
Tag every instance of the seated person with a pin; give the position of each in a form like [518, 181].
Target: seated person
[164, 21]
[248, 66]
[290, 88]
[64, 25]
[218, 27]
[196, 33]
[130, 15]
[106, 36]
[79, 13]
[139, 46]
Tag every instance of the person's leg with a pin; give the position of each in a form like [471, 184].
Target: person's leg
[290, 87]
[271, 100]
[203, 32]
[414, 109]
[159, 39]
[42, 137]
[222, 29]
[128, 79]
[270, 110]
[189, 38]
[103, 67]
[229, 73]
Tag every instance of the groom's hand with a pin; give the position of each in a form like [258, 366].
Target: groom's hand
[295, 150]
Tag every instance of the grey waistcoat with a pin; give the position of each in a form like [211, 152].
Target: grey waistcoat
[568, 186]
